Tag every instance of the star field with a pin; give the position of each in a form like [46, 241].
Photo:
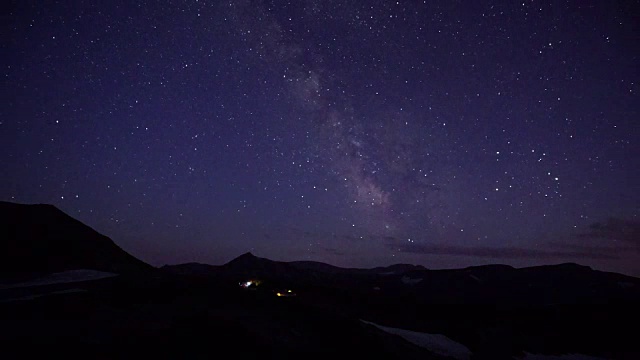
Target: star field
[360, 134]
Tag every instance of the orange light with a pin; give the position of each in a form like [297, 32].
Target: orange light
[278, 294]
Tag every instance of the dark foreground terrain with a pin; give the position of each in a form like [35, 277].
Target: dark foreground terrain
[131, 310]
[178, 318]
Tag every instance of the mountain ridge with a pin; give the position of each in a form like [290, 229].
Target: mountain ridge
[496, 311]
[40, 239]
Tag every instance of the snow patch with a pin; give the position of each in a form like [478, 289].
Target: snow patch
[64, 277]
[528, 356]
[409, 281]
[625, 284]
[387, 273]
[35, 296]
[435, 343]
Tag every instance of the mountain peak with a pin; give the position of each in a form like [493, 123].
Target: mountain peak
[246, 259]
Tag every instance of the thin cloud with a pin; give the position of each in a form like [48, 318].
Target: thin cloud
[498, 252]
[333, 251]
[615, 229]
[594, 248]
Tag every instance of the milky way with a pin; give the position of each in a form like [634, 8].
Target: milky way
[372, 157]
[361, 134]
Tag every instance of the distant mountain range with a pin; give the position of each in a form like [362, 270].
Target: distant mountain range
[41, 239]
[492, 312]
[491, 284]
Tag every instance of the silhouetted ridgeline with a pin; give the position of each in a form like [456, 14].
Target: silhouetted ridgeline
[75, 305]
[40, 239]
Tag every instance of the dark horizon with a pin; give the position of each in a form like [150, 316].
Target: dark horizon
[483, 253]
[360, 135]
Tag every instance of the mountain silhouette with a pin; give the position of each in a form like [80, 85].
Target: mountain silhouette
[40, 239]
[193, 310]
[566, 283]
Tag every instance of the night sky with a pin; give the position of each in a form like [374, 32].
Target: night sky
[357, 133]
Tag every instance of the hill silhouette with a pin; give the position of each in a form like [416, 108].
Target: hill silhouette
[199, 310]
[40, 239]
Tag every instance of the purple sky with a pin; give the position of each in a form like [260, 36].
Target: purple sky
[439, 133]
